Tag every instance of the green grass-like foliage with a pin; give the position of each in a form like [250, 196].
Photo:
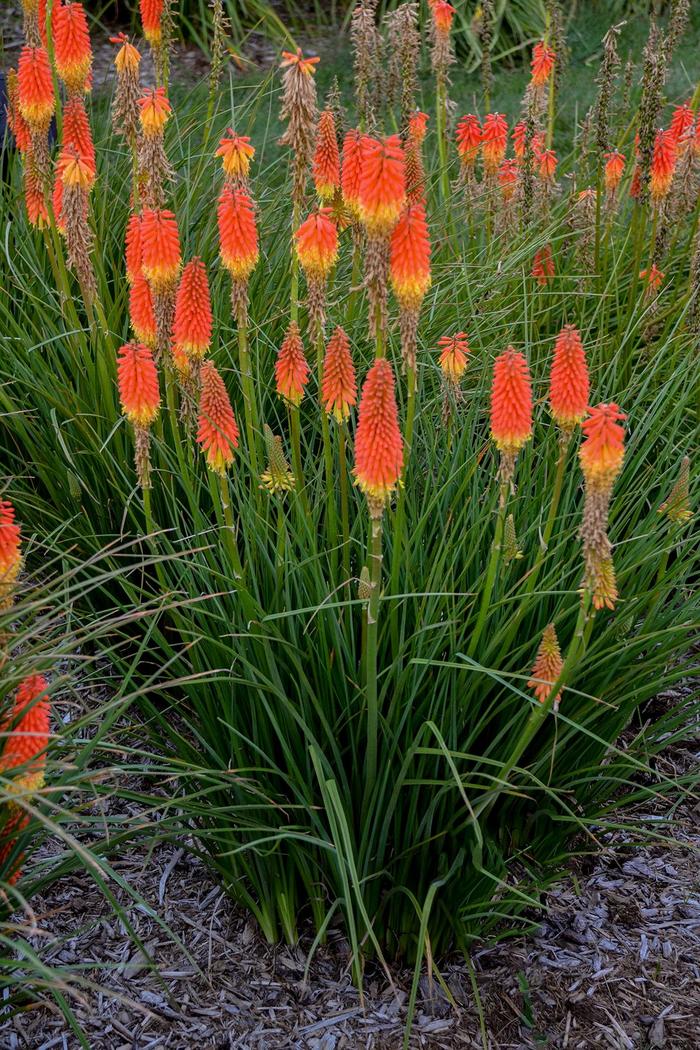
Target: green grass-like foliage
[268, 729]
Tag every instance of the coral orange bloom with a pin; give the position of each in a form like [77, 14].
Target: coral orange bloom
[568, 382]
[193, 320]
[138, 384]
[238, 235]
[128, 57]
[443, 13]
[236, 154]
[339, 387]
[681, 124]
[27, 729]
[76, 131]
[511, 402]
[72, 49]
[508, 178]
[410, 257]
[10, 550]
[382, 184]
[603, 449]
[217, 431]
[378, 441]
[16, 122]
[351, 172]
[155, 111]
[614, 168]
[454, 350]
[547, 164]
[317, 243]
[133, 247]
[543, 264]
[296, 58]
[468, 139]
[75, 171]
[37, 212]
[151, 20]
[663, 164]
[653, 277]
[494, 139]
[141, 312]
[160, 248]
[417, 126]
[291, 366]
[35, 87]
[326, 164]
[548, 666]
[542, 64]
[519, 136]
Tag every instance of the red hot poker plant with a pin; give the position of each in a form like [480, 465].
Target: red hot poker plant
[217, 431]
[601, 455]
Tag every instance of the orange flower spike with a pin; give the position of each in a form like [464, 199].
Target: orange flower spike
[547, 165]
[306, 65]
[568, 383]
[494, 139]
[16, 122]
[72, 49]
[339, 386]
[291, 367]
[663, 164]
[614, 169]
[443, 13]
[138, 384]
[508, 178]
[35, 88]
[37, 212]
[151, 20]
[134, 248]
[77, 133]
[468, 140]
[236, 154]
[160, 251]
[141, 312]
[351, 172]
[454, 350]
[603, 449]
[417, 126]
[382, 184]
[519, 135]
[543, 265]
[217, 432]
[511, 402]
[193, 318]
[654, 277]
[128, 57]
[76, 172]
[410, 258]
[542, 64]
[238, 235]
[326, 163]
[155, 111]
[27, 727]
[681, 126]
[378, 442]
[547, 668]
[317, 244]
[10, 551]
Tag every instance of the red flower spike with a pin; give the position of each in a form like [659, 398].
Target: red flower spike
[217, 432]
[339, 387]
[72, 49]
[663, 164]
[542, 64]
[410, 257]
[454, 350]
[614, 168]
[494, 139]
[378, 441]
[151, 20]
[193, 319]
[155, 111]
[511, 401]
[238, 235]
[141, 312]
[568, 384]
[326, 163]
[27, 729]
[291, 367]
[543, 265]
[133, 247]
[160, 248]
[548, 666]
[603, 448]
[10, 549]
[35, 95]
[317, 244]
[351, 172]
[508, 178]
[382, 184]
[468, 139]
[138, 384]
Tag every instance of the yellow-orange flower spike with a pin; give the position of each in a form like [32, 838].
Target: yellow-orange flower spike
[193, 319]
[519, 136]
[75, 171]
[27, 726]
[291, 367]
[133, 247]
[238, 235]
[17, 124]
[317, 244]
[443, 13]
[382, 184]
[141, 312]
[128, 57]
[417, 126]
[160, 248]
[603, 450]
[614, 169]
[681, 125]
[138, 384]
[326, 163]
[410, 257]
[35, 88]
[547, 668]
[151, 20]
[543, 265]
[236, 154]
[217, 432]
[351, 172]
[454, 350]
[155, 111]
[654, 278]
[10, 551]
[511, 402]
[34, 201]
[494, 140]
[663, 164]
[339, 387]
[76, 132]
[547, 165]
[542, 64]
[468, 140]
[568, 384]
[378, 441]
[296, 58]
[72, 49]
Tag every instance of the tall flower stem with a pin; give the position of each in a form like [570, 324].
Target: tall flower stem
[355, 280]
[494, 561]
[332, 519]
[441, 102]
[400, 521]
[344, 500]
[370, 655]
[249, 403]
[296, 455]
[224, 501]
